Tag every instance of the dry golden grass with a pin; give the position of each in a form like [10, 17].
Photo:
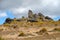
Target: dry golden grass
[1, 38]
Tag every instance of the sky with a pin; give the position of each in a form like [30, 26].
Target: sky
[19, 8]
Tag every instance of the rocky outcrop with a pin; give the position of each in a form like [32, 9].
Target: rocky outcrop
[59, 20]
[48, 18]
[30, 14]
[41, 16]
[8, 20]
[32, 17]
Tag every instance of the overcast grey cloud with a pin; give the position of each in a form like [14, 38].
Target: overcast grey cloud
[21, 7]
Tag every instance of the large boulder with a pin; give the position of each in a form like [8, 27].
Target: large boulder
[32, 17]
[35, 16]
[59, 20]
[47, 17]
[41, 16]
[8, 20]
[30, 14]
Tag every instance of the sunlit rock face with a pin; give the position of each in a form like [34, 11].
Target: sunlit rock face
[30, 14]
[33, 16]
[39, 16]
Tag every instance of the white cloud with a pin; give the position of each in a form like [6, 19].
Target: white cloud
[19, 10]
[20, 7]
[3, 14]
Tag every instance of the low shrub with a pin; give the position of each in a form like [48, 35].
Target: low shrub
[43, 30]
[21, 34]
[1, 38]
[57, 29]
[56, 24]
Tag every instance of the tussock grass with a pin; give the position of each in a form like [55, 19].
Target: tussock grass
[21, 34]
[1, 38]
[42, 31]
[57, 29]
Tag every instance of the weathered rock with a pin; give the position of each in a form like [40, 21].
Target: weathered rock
[8, 20]
[59, 20]
[32, 17]
[48, 18]
[32, 20]
[35, 16]
[30, 14]
[41, 16]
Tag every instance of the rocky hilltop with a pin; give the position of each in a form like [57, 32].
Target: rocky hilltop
[32, 17]
[34, 27]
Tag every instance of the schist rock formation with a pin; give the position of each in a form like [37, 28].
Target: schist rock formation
[32, 17]
[39, 16]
